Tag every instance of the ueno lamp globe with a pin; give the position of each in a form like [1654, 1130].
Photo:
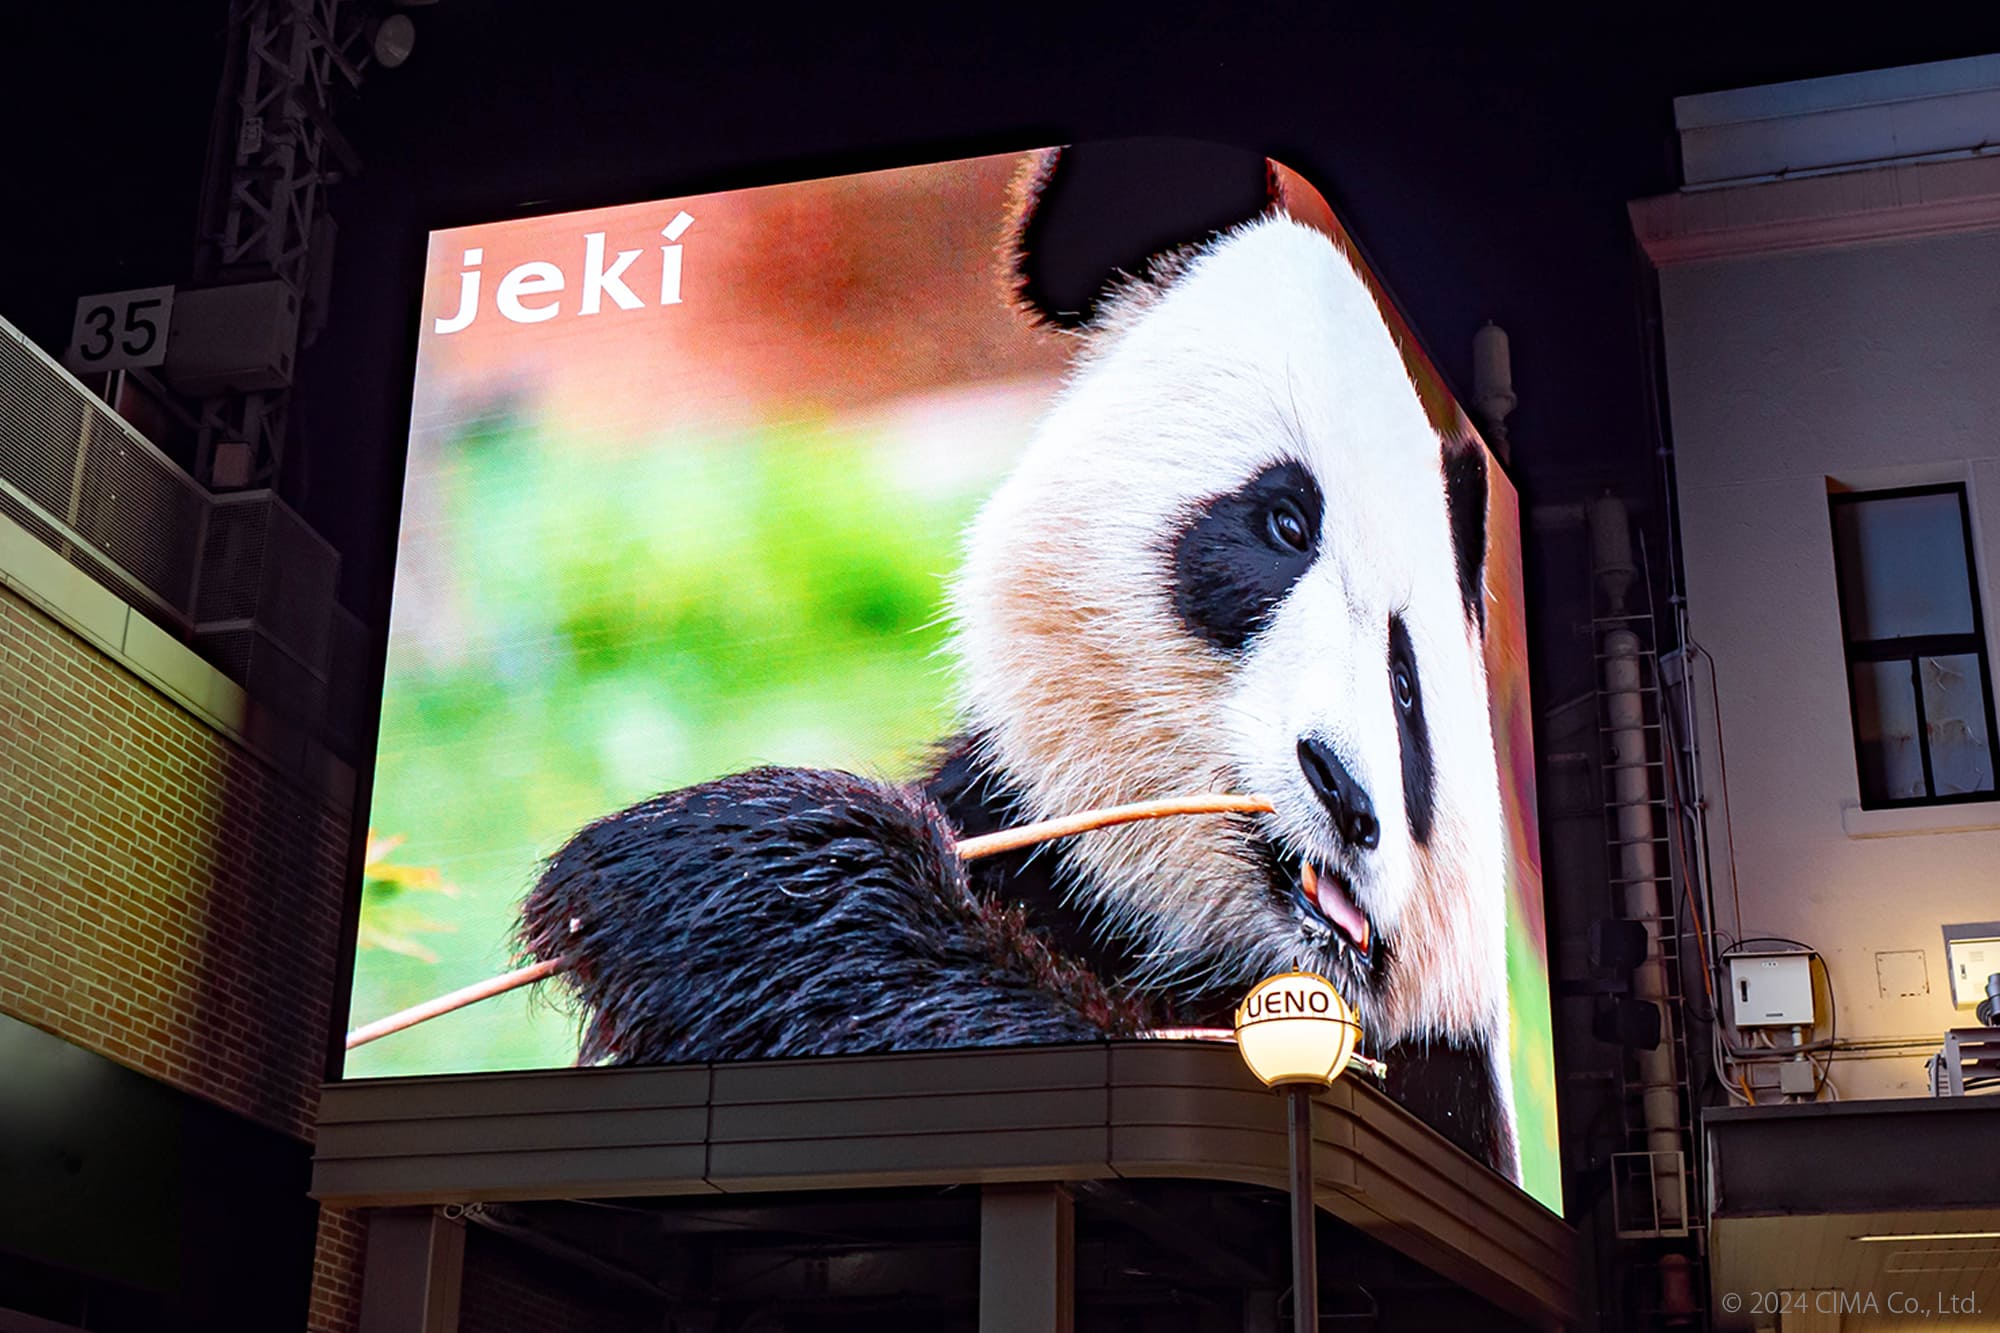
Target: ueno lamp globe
[1296, 1028]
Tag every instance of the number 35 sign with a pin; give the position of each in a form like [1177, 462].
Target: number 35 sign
[120, 330]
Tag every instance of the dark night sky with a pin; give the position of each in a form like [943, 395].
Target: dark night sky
[1483, 164]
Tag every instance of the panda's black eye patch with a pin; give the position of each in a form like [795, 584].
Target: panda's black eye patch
[1237, 555]
[1419, 768]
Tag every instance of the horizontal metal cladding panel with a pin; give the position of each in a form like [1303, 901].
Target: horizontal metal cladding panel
[1411, 1199]
[908, 1119]
[1408, 1180]
[515, 1093]
[1514, 1233]
[1905, 1153]
[1182, 1111]
[518, 1132]
[1016, 1154]
[1188, 1109]
[1405, 1174]
[1165, 1104]
[1469, 1247]
[475, 1177]
[1181, 1064]
[1073, 1113]
[907, 1113]
[1254, 1157]
[1476, 1260]
[912, 1075]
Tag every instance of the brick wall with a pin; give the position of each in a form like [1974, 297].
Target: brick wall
[337, 1259]
[167, 898]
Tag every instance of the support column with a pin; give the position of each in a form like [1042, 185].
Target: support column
[416, 1262]
[1027, 1259]
[1305, 1247]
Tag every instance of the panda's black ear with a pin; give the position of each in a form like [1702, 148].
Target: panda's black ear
[1090, 215]
[1465, 499]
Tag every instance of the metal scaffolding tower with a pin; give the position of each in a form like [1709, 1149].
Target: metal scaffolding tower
[274, 152]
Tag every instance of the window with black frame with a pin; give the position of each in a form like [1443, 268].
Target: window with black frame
[1917, 676]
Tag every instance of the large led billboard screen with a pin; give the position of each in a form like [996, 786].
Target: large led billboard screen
[757, 546]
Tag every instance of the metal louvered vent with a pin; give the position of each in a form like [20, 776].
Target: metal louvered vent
[138, 508]
[228, 651]
[301, 581]
[240, 575]
[42, 428]
[232, 557]
[265, 604]
[261, 562]
[122, 512]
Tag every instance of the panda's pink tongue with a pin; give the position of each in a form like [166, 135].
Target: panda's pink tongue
[1334, 903]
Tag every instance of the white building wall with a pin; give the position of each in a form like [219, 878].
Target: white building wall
[1867, 366]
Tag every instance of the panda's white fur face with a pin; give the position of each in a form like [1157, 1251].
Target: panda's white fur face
[1132, 623]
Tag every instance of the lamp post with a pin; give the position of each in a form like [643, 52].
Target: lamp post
[1296, 1033]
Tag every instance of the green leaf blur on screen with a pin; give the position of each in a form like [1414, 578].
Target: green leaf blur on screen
[628, 621]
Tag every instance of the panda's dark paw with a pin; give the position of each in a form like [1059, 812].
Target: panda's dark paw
[794, 912]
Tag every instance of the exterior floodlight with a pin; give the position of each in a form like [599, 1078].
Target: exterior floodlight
[1296, 1033]
[1295, 1028]
[395, 37]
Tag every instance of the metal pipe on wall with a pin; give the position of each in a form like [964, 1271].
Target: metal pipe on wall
[1647, 897]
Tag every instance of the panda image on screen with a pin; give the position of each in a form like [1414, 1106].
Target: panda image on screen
[1237, 555]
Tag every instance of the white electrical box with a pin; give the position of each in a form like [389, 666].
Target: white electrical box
[1970, 962]
[1771, 990]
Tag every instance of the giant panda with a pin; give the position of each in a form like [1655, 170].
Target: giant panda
[1236, 556]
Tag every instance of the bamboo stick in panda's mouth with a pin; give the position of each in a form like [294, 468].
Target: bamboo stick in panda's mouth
[1028, 835]
[969, 849]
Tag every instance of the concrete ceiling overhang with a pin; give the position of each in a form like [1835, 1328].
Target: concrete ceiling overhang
[1800, 1192]
[1076, 1113]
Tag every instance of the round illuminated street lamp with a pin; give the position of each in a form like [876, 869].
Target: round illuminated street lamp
[1296, 1034]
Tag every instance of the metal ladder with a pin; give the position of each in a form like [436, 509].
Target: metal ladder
[1656, 1206]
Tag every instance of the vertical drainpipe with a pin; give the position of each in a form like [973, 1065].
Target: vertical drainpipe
[1647, 894]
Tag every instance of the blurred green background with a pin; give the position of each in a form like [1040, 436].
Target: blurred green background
[578, 629]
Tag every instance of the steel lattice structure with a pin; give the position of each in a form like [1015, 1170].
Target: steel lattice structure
[289, 61]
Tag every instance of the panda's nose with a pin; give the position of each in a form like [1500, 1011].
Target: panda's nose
[1353, 813]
